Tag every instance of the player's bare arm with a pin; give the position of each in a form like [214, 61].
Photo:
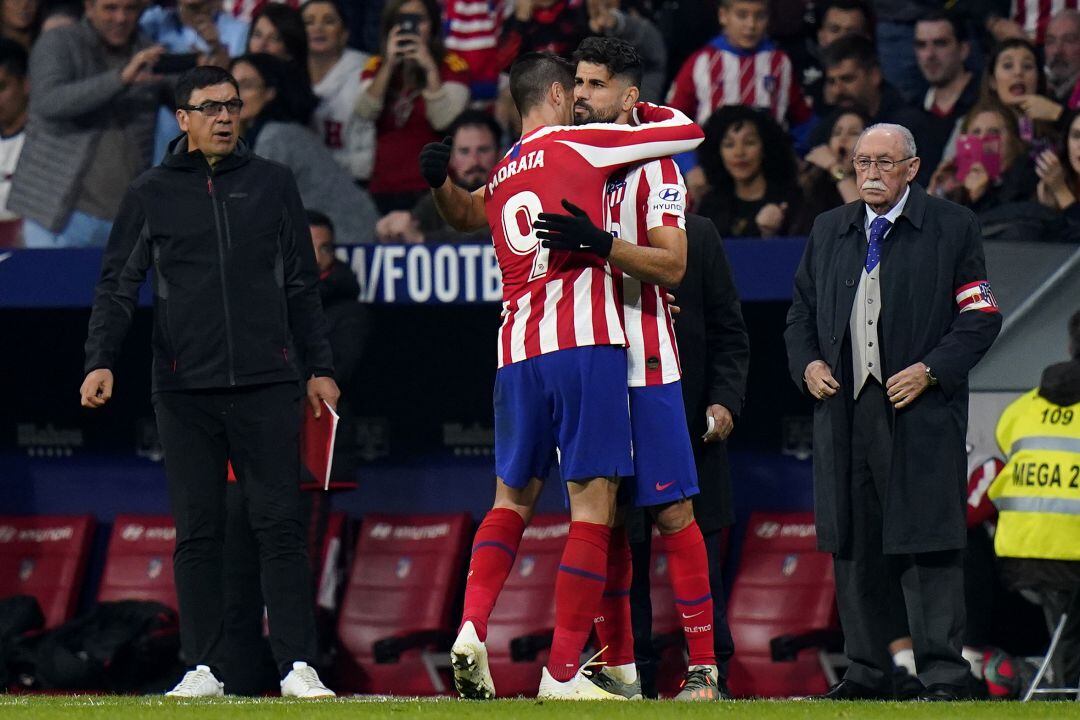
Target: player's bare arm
[663, 263]
[462, 210]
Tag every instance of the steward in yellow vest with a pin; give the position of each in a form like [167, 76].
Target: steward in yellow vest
[1037, 494]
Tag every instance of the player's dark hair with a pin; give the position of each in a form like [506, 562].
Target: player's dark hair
[318, 219]
[533, 74]
[200, 77]
[618, 56]
[959, 26]
[851, 47]
[1074, 335]
[729, 3]
[476, 118]
[822, 9]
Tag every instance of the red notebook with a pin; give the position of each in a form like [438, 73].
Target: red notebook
[316, 443]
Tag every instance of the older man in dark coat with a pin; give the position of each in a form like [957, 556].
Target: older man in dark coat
[891, 310]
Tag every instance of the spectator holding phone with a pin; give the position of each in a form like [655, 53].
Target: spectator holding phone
[335, 76]
[412, 90]
[94, 102]
[991, 166]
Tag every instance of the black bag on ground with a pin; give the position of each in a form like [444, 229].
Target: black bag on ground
[123, 646]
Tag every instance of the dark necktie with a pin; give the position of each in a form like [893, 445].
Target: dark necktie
[873, 250]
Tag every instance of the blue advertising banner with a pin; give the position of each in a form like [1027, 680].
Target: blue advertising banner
[390, 274]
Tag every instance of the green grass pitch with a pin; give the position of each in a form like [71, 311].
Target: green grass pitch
[39, 707]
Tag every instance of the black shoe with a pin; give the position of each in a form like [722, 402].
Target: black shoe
[851, 690]
[721, 684]
[944, 693]
[906, 686]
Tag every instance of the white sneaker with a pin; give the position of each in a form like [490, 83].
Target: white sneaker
[469, 659]
[579, 687]
[197, 683]
[303, 682]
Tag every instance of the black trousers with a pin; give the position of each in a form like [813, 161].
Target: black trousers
[645, 655]
[258, 429]
[875, 591]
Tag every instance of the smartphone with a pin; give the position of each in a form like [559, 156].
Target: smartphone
[173, 63]
[984, 150]
[409, 23]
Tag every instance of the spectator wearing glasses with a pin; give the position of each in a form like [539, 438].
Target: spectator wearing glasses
[275, 121]
[92, 112]
[235, 304]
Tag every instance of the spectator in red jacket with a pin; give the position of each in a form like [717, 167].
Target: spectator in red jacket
[413, 89]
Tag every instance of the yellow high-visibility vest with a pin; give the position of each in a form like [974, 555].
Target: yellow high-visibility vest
[1037, 494]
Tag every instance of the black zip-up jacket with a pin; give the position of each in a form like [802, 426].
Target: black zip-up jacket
[234, 277]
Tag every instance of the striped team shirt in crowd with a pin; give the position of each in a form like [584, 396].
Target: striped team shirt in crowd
[560, 300]
[472, 29]
[1033, 15]
[722, 74]
[640, 199]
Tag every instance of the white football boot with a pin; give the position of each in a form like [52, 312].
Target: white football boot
[469, 659]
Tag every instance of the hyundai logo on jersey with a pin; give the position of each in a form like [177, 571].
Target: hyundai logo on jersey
[670, 195]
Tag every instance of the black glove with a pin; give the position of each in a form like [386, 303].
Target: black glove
[434, 159]
[574, 232]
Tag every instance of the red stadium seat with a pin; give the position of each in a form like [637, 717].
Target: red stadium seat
[520, 628]
[784, 586]
[45, 556]
[398, 603]
[139, 563]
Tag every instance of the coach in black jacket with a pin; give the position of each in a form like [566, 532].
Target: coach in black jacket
[234, 299]
[714, 353]
[891, 310]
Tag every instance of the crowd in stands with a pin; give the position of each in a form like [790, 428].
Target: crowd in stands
[347, 93]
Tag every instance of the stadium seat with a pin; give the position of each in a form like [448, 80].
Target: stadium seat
[398, 603]
[521, 625]
[139, 562]
[45, 556]
[325, 562]
[783, 594]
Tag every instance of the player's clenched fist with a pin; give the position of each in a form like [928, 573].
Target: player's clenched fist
[434, 159]
[574, 232]
[96, 388]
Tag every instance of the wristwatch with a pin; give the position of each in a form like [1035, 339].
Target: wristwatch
[838, 173]
[930, 377]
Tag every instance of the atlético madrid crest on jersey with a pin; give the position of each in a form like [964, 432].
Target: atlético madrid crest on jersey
[770, 83]
[616, 189]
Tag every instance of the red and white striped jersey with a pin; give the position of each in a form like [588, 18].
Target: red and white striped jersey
[721, 74]
[560, 300]
[1033, 15]
[473, 24]
[639, 199]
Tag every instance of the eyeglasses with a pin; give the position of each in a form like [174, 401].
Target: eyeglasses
[884, 164]
[213, 108]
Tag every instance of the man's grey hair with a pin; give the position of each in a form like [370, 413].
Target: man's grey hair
[905, 135]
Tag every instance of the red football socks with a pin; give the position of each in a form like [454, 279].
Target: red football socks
[578, 588]
[493, 553]
[613, 628]
[688, 565]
